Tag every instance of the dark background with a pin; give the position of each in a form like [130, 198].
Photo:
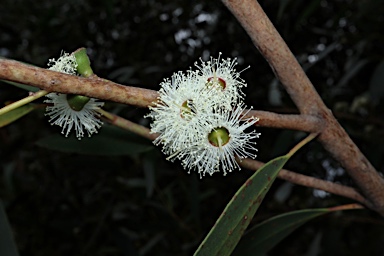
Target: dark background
[137, 203]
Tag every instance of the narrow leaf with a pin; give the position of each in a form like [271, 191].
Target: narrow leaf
[264, 236]
[15, 114]
[235, 218]
[230, 226]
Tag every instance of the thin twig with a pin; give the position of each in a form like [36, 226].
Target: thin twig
[24, 101]
[346, 207]
[128, 125]
[293, 177]
[311, 182]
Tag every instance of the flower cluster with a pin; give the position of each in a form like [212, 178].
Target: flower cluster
[199, 118]
[68, 111]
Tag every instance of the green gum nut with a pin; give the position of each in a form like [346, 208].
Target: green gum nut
[216, 80]
[218, 137]
[77, 102]
[83, 63]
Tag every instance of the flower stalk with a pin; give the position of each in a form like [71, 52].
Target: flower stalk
[33, 96]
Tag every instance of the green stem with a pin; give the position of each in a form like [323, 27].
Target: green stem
[24, 101]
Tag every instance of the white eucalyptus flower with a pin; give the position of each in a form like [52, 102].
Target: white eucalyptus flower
[177, 116]
[65, 64]
[72, 111]
[222, 75]
[198, 118]
[220, 142]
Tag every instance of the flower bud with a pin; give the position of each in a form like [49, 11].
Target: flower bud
[83, 63]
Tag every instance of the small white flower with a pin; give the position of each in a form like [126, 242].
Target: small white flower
[220, 141]
[222, 75]
[68, 111]
[177, 116]
[63, 115]
[65, 64]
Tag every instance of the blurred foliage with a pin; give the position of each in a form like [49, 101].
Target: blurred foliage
[139, 204]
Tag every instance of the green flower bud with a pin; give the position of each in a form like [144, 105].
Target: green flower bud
[83, 63]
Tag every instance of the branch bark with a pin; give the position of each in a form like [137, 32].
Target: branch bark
[311, 182]
[284, 174]
[306, 123]
[103, 89]
[333, 137]
[92, 86]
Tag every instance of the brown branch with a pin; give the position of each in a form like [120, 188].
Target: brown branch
[106, 90]
[304, 123]
[293, 177]
[128, 125]
[312, 182]
[333, 137]
[92, 86]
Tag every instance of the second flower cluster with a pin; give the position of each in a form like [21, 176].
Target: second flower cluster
[199, 117]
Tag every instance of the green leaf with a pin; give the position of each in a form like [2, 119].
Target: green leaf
[109, 141]
[15, 114]
[235, 218]
[7, 243]
[264, 236]
[228, 229]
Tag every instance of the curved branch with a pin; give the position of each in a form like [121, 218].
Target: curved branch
[312, 182]
[92, 86]
[333, 137]
[293, 177]
[99, 88]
